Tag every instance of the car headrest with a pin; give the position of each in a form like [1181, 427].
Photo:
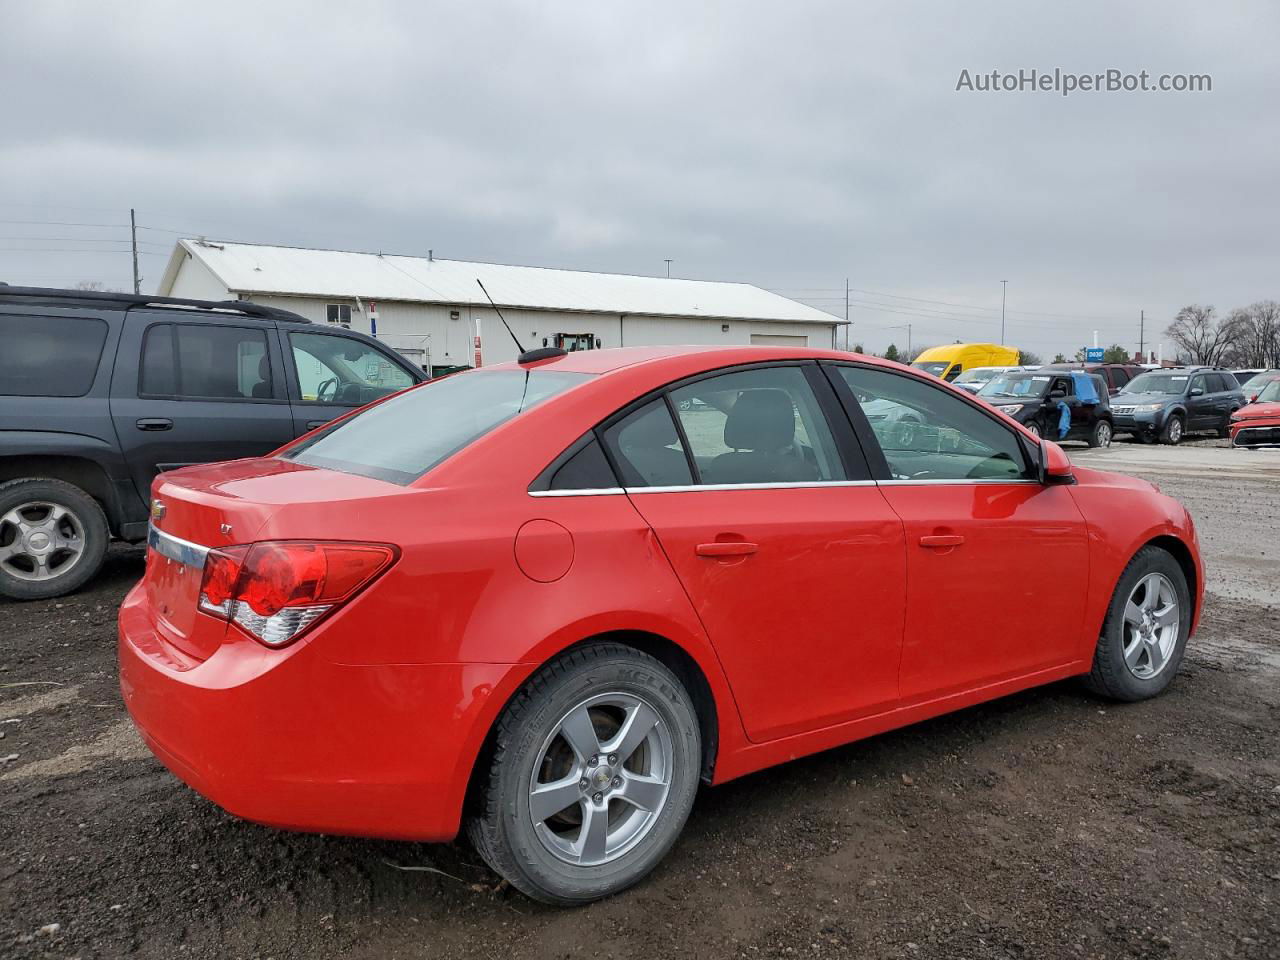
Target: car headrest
[653, 429]
[761, 420]
[264, 368]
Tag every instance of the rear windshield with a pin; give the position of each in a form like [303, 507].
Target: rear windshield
[402, 438]
[49, 356]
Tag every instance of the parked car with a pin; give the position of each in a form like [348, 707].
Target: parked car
[1034, 398]
[1116, 375]
[1168, 404]
[1253, 386]
[975, 378]
[950, 360]
[99, 392]
[1257, 424]
[543, 601]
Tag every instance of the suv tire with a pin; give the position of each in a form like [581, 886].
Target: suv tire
[53, 538]
[1224, 431]
[568, 727]
[1130, 663]
[1174, 430]
[1101, 434]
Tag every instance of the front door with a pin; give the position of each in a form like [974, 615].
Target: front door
[1201, 406]
[333, 373]
[196, 392]
[997, 563]
[790, 555]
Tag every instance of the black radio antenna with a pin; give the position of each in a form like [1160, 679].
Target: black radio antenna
[501, 317]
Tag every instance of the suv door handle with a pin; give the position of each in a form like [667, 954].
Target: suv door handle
[312, 424]
[155, 423]
[730, 548]
[947, 540]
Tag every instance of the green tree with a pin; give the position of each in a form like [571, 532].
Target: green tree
[857, 348]
[1027, 358]
[892, 352]
[1059, 358]
[1115, 354]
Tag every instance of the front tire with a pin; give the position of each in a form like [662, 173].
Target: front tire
[590, 777]
[1034, 427]
[1173, 431]
[53, 538]
[1145, 632]
[1100, 435]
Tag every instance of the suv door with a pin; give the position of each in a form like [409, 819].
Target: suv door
[332, 373]
[196, 391]
[788, 551]
[1201, 414]
[997, 563]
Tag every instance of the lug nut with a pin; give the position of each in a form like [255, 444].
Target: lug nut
[613, 758]
[617, 781]
[598, 797]
[583, 783]
[594, 761]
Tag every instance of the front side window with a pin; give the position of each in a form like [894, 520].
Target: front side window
[200, 361]
[406, 436]
[929, 434]
[338, 369]
[49, 356]
[757, 426]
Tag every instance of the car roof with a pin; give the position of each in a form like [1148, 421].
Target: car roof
[110, 300]
[611, 359]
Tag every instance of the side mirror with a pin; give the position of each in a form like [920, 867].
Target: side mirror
[1055, 466]
[1197, 392]
[1254, 398]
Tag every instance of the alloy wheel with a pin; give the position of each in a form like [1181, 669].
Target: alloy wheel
[601, 779]
[1151, 622]
[1175, 430]
[40, 540]
[1104, 434]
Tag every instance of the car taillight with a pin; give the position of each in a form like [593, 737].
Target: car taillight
[275, 590]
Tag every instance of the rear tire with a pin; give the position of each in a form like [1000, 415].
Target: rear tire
[1130, 663]
[1173, 431]
[53, 538]
[566, 737]
[1224, 431]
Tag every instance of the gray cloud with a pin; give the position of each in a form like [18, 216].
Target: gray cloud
[790, 145]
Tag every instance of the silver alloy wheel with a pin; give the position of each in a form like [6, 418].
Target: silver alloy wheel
[1033, 427]
[1175, 430]
[601, 779]
[1151, 621]
[40, 540]
[1104, 434]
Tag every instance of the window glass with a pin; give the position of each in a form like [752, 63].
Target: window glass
[1230, 382]
[49, 356]
[585, 470]
[757, 426]
[1198, 383]
[409, 434]
[1216, 383]
[1169, 384]
[338, 313]
[647, 449]
[1119, 376]
[930, 434]
[337, 369]
[201, 361]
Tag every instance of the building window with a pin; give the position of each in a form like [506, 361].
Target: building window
[338, 313]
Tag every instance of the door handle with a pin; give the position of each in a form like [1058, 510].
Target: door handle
[155, 423]
[312, 424]
[942, 540]
[729, 548]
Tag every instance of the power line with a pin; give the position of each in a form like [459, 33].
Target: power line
[141, 253]
[800, 291]
[67, 223]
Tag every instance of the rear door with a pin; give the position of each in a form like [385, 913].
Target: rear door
[332, 373]
[196, 391]
[1201, 407]
[788, 551]
[997, 563]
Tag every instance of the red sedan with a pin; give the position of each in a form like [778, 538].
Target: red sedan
[1258, 423]
[545, 600]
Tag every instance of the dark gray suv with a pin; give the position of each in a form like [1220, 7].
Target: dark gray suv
[1168, 404]
[99, 392]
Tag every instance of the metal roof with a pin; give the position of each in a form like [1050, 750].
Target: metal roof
[247, 268]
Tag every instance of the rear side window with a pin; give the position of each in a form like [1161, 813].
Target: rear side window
[1119, 376]
[49, 356]
[586, 469]
[197, 361]
[404, 437]
[647, 449]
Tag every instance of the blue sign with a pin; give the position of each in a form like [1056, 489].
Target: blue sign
[1094, 354]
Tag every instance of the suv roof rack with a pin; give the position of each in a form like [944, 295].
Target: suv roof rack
[249, 309]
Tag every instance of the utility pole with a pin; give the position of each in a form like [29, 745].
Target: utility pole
[846, 313]
[668, 263]
[1004, 290]
[1142, 324]
[133, 232]
[908, 339]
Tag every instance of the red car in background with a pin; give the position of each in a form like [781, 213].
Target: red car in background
[545, 600]
[1258, 423]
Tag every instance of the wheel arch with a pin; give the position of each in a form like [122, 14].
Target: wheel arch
[81, 472]
[1180, 552]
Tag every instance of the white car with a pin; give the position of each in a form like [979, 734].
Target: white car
[975, 378]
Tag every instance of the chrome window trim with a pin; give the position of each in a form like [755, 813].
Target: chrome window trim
[713, 487]
[175, 548]
[598, 492]
[959, 481]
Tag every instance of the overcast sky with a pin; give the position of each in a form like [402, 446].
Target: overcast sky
[790, 145]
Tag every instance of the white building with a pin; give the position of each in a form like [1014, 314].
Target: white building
[430, 310]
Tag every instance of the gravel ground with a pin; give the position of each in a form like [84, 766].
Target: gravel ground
[1047, 824]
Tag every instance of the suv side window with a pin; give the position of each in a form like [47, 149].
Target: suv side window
[337, 369]
[1217, 383]
[927, 433]
[1119, 377]
[203, 361]
[757, 426]
[1198, 382]
[49, 356]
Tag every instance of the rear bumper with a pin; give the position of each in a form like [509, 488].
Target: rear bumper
[288, 739]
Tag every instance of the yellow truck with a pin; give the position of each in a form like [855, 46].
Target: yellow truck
[949, 361]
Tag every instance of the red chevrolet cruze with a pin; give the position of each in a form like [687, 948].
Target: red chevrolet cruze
[547, 599]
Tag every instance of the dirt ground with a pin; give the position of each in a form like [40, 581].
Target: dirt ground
[1048, 824]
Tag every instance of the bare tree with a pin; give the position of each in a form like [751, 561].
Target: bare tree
[1255, 335]
[1027, 358]
[1199, 334]
[93, 286]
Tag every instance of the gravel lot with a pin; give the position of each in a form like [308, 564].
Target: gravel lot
[1047, 824]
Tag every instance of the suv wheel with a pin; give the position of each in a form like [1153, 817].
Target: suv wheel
[1034, 427]
[1145, 632]
[53, 537]
[1224, 431]
[591, 776]
[1100, 435]
[1172, 431]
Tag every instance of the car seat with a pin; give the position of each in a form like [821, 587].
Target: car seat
[761, 431]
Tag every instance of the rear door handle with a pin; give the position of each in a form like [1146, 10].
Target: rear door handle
[730, 548]
[155, 423]
[940, 540]
[312, 424]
